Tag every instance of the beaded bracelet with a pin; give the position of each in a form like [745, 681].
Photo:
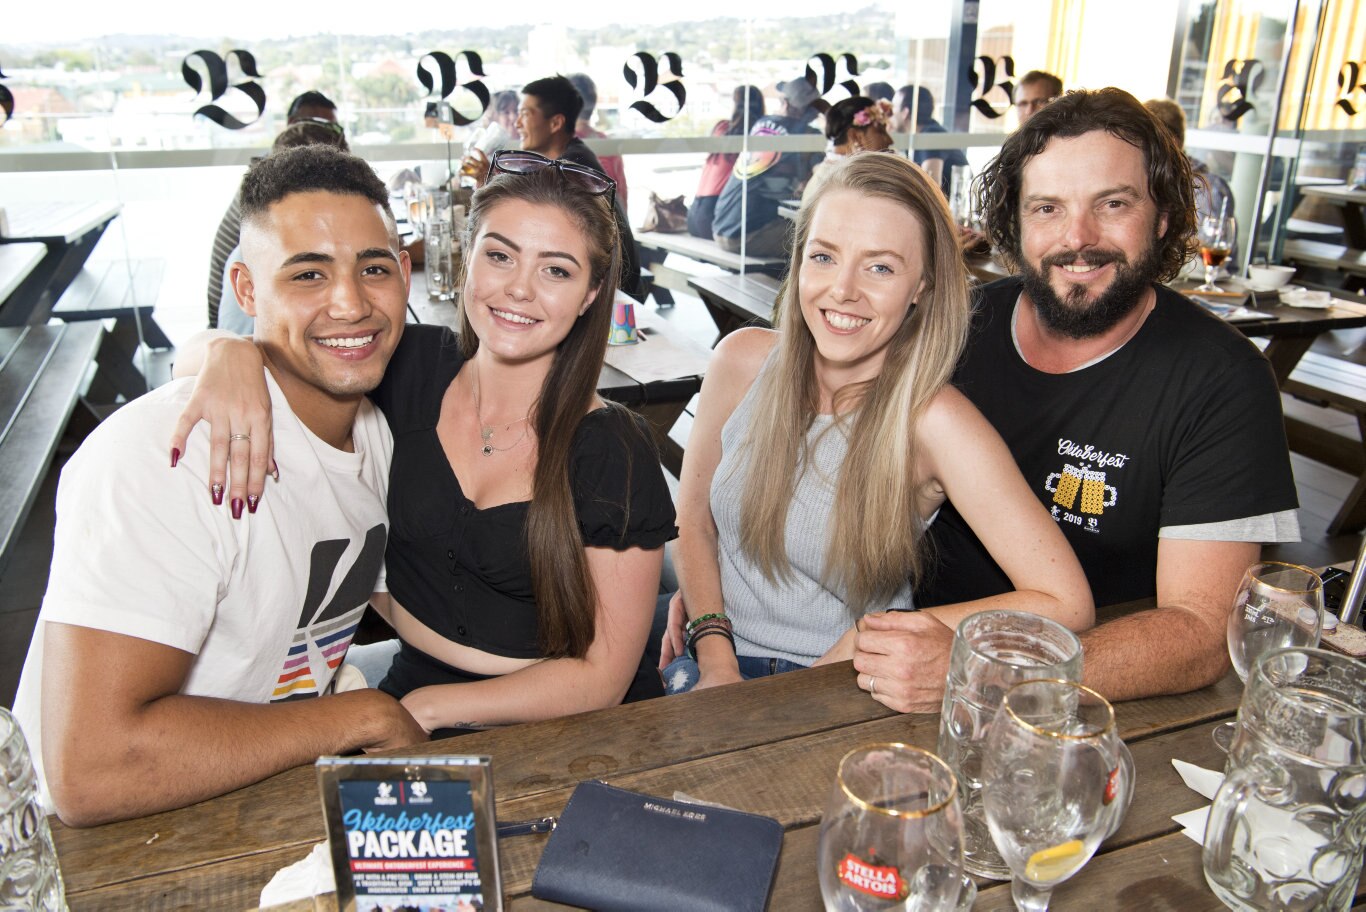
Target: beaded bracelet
[692, 640]
[709, 625]
[714, 616]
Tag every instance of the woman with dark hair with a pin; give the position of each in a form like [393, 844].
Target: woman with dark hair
[856, 124]
[749, 107]
[527, 516]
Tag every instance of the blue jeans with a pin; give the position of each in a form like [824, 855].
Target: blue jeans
[682, 673]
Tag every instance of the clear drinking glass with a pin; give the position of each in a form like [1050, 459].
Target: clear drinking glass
[1217, 236]
[891, 836]
[1057, 778]
[29, 876]
[440, 260]
[961, 203]
[1277, 606]
[1288, 824]
[992, 652]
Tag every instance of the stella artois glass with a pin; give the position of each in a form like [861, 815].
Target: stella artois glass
[892, 836]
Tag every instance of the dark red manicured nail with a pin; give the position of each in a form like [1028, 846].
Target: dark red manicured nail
[237, 508]
[252, 501]
[217, 490]
[175, 456]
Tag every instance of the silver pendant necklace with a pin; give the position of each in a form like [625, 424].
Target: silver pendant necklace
[486, 430]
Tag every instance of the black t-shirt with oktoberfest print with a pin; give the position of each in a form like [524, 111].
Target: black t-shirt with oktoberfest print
[1180, 426]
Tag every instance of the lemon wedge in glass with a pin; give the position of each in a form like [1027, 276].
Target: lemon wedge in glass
[1055, 863]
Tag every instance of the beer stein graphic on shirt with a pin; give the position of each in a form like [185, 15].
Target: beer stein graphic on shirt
[1093, 492]
[1064, 489]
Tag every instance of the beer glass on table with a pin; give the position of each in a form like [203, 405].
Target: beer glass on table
[1289, 821]
[1217, 235]
[1276, 606]
[1056, 781]
[891, 836]
[993, 651]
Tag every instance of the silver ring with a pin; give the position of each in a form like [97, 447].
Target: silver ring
[232, 437]
[872, 685]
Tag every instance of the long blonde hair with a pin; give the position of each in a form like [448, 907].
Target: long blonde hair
[876, 533]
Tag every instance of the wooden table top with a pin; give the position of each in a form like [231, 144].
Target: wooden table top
[16, 262]
[1336, 193]
[769, 746]
[61, 222]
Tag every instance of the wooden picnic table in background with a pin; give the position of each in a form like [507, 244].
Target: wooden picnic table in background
[770, 746]
[69, 232]
[1353, 202]
[17, 261]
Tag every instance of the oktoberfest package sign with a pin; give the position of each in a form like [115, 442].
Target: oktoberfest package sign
[411, 833]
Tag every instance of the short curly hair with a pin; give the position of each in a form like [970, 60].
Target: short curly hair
[1170, 181]
[305, 169]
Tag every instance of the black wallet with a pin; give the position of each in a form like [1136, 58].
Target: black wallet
[619, 850]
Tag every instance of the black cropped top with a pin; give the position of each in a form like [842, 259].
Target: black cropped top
[464, 572]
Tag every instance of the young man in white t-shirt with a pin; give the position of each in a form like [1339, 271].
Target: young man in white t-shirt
[182, 653]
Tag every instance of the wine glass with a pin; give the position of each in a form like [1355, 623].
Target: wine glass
[1056, 780]
[1277, 606]
[892, 834]
[1217, 234]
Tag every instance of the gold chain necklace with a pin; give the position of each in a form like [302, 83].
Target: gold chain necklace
[486, 430]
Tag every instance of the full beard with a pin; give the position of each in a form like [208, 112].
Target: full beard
[1076, 317]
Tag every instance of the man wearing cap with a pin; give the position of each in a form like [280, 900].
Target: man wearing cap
[748, 205]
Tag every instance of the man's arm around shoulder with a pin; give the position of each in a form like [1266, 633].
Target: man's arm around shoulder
[1181, 644]
[120, 740]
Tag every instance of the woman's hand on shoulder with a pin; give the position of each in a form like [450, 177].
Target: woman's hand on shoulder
[230, 393]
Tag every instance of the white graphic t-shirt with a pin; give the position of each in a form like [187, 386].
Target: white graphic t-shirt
[267, 604]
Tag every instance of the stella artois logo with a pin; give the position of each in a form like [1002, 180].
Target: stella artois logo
[882, 881]
[1111, 786]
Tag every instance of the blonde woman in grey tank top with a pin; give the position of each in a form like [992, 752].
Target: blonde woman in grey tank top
[821, 451]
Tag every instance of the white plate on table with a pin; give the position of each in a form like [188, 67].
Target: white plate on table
[1295, 299]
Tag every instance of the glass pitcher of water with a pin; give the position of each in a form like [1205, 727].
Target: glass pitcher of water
[1289, 822]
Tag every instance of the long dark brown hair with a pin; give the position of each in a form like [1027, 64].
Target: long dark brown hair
[566, 601]
[1077, 113]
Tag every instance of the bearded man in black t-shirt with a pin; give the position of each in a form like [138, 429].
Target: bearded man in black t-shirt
[1150, 429]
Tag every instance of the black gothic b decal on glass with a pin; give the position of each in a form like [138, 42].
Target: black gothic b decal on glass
[6, 102]
[647, 81]
[1242, 78]
[447, 80]
[218, 86]
[1349, 81]
[985, 84]
[826, 75]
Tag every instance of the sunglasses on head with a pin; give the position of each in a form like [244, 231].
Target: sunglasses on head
[512, 161]
[323, 122]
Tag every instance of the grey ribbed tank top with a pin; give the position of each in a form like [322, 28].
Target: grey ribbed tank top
[799, 618]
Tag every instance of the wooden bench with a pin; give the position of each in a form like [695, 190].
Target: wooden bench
[42, 370]
[124, 291]
[735, 301]
[1331, 257]
[655, 249]
[1332, 383]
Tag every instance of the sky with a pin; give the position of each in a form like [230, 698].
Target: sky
[77, 20]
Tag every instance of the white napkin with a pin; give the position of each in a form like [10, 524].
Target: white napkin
[1205, 782]
[306, 878]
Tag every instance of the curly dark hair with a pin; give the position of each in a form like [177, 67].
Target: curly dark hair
[1170, 181]
[304, 169]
